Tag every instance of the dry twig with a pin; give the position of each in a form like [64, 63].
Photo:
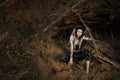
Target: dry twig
[54, 22]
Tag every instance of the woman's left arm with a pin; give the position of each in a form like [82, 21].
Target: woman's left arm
[86, 38]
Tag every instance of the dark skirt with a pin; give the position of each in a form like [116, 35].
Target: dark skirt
[77, 56]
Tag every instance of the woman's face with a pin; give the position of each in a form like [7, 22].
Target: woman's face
[79, 32]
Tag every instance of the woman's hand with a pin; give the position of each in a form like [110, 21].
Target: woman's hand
[70, 62]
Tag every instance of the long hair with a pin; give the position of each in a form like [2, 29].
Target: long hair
[79, 27]
[74, 33]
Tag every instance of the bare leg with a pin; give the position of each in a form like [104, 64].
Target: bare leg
[87, 66]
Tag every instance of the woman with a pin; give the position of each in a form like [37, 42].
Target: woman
[76, 53]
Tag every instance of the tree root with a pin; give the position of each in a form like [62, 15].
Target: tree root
[97, 55]
[74, 6]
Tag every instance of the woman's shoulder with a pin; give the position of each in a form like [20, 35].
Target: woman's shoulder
[71, 37]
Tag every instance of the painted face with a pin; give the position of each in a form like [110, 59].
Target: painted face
[79, 32]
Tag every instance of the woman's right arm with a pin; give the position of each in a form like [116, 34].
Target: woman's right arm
[71, 50]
